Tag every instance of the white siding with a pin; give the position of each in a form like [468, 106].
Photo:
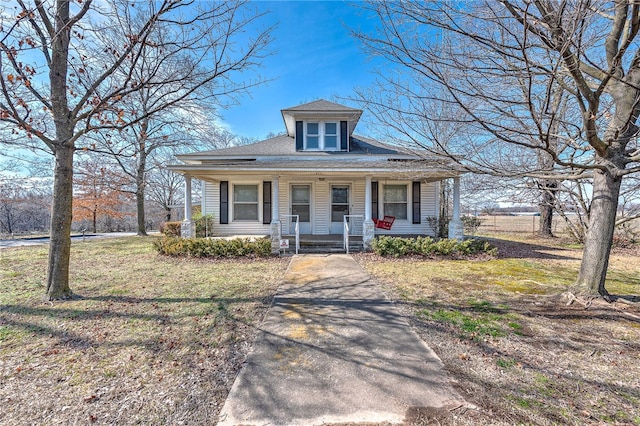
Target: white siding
[283, 202]
[428, 200]
[321, 208]
[428, 205]
[211, 191]
[357, 197]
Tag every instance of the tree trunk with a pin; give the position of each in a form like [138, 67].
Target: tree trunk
[546, 208]
[597, 246]
[61, 208]
[95, 221]
[61, 217]
[142, 229]
[140, 186]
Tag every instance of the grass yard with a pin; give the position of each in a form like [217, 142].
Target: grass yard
[147, 340]
[156, 340]
[515, 350]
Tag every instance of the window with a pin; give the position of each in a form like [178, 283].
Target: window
[321, 136]
[395, 201]
[330, 135]
[245, 202]
[301, 202]
[313, 135]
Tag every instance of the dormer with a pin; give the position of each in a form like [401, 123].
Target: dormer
[321, 125]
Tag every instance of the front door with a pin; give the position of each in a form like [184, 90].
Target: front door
[339, 207]
[301, 205]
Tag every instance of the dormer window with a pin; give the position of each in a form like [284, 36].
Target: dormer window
[313, 135]
[331, 135]
[321, 136]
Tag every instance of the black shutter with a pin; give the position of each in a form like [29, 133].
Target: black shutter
[224, 202]
[416, 202]
[344, 136]
[374, 200]
[266, 202]
[299, 136]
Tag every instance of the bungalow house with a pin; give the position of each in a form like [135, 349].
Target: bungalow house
[318, 179]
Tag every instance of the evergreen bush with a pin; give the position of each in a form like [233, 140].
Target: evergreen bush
[206, 247]
[426, 246]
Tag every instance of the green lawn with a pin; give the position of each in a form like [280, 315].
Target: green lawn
[158, 340]
[513, 346]
[146, 339]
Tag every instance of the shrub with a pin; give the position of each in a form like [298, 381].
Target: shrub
[392, 246]
[205, 247]
[439, 225]
[172, 229]
[204, 224]
[471, 224]
[426, 246]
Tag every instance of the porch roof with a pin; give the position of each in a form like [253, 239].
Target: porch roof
[401, 169]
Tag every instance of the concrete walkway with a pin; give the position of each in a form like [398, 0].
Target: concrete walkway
[334, 349]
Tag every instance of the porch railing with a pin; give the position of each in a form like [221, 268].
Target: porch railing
[353, 225]
[286, 224]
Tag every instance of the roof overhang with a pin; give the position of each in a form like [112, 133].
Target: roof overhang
[291, 116]
[222, 172]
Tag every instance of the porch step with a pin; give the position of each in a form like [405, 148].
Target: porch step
[353, 248]
[324, 244]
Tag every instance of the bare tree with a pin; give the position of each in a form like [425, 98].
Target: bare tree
[501, 64]
[166, 189]
[177, 106]
[98, 191]
[67, 70]
[24, 203]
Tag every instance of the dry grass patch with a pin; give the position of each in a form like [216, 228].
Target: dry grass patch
[146, 340]
[514, 349]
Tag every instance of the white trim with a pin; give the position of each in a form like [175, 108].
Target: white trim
[381, 184]
[275, 200]
[203, 198]
[437, 198]
[232, 218]
[367, 198]
[187, 198]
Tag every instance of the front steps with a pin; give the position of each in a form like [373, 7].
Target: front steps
[324, 244]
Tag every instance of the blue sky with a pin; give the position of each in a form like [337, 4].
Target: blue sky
[314, 57]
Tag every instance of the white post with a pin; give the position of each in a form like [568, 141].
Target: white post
[275, 204]
[187, 230]
[368, 229]
[276, 229]
[456, 198]
[456, 229]
[367, 198]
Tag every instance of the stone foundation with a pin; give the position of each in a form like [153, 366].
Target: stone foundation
[368, 234]
[275, 237]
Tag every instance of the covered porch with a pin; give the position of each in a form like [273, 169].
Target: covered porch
[323, 208]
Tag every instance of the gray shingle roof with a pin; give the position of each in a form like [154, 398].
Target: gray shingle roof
[322, 105]
[285, 146]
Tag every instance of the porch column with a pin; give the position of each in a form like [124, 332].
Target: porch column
[368, 229]
[276, 229]
[187, 229]
[456, 229]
